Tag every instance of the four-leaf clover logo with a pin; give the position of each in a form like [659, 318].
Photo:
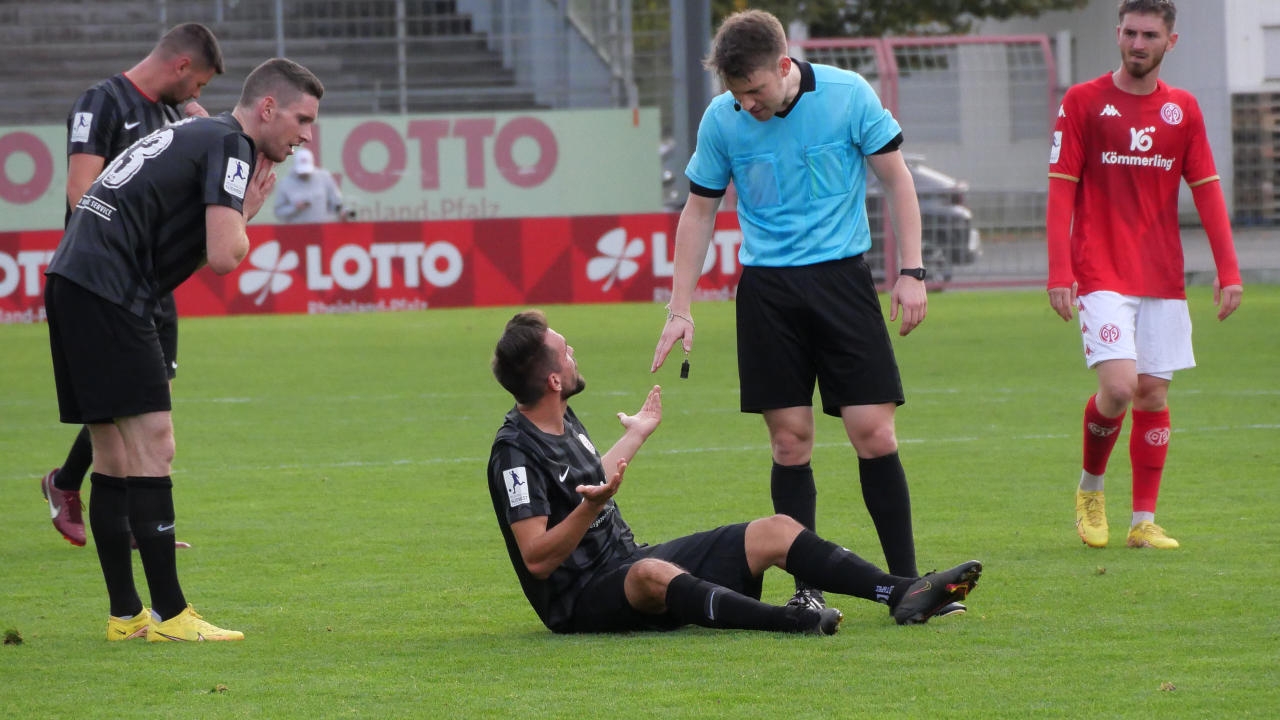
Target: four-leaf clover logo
[615, 261]
[270, 273]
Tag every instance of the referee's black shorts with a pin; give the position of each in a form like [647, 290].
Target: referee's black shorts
[818, 322]
[718, 556]
[107, 362]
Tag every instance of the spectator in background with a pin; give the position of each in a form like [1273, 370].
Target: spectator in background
[308, 194]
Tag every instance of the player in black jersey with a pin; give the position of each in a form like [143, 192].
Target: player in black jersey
[578, 561]
[172, 202]
[106, 119]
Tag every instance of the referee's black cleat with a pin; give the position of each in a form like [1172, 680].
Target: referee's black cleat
[929, 595]
[807, 597]
[828, 622]
[954, 608]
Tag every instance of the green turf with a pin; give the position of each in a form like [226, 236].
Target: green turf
[330, 474]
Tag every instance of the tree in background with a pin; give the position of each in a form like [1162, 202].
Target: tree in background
[876, 18]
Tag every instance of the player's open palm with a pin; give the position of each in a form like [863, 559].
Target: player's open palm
[647, 419]
[600, 494]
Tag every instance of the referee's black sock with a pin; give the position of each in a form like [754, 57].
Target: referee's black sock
[694, 601]
[151, 518]
[109, 522]
[71, 474]
[795, 494]
[824, 564]
[884, 490]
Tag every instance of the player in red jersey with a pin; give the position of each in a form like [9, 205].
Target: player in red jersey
[1121, 147]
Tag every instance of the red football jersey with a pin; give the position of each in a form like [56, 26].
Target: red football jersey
[1129, 153]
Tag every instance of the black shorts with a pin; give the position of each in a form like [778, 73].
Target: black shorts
[107, 362]
[718, 556]
[818, 322]
[167, 326]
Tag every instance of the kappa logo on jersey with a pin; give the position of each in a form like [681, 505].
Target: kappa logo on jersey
[1171, 113]
[271, 273]
[236, 180]
[517, 486]
[1140, 139]
[80, 125]
[1110, 111]
[1061, 112]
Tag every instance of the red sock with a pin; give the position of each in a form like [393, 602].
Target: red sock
[1148, 448]
[1100, 435]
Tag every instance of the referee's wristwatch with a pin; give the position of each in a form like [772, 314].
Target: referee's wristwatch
[918, 273]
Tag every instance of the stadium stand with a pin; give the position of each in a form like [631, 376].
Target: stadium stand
[56, 48]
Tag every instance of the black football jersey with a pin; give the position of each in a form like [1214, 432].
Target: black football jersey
[139, 231]
[534, 474]
[111, 116]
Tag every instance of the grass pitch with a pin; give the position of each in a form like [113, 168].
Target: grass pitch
[330, 475]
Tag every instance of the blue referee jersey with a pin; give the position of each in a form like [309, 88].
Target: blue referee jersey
[800, 178]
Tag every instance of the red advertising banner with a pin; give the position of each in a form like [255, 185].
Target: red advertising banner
[374, 267]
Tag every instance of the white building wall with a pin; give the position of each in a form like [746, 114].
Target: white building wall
[1247, 52]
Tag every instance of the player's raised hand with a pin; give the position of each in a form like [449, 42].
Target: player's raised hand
[194, 109]
[600, 494]
[1227, 298]
[646, 420]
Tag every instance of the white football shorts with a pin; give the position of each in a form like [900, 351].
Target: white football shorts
[1154, 332]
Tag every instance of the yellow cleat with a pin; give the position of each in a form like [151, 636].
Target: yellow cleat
[1149, 534]
[1091, 518]
[128, 629]
[188, 626]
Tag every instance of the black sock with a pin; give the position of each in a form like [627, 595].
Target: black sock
[826, 565]
[109, 522]
[71, 475]
[884, 490]
[693, 601]
[151, 518]
[795, 494]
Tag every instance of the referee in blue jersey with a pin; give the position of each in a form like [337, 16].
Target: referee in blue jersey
[796, 139]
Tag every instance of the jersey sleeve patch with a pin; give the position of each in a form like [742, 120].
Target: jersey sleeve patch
[517, 486]
[80, 127]
[236, 179]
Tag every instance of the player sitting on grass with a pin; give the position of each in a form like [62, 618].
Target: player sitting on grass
[577, 559]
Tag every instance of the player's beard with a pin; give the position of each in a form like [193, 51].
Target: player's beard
[580, 384]
[1139, 69]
